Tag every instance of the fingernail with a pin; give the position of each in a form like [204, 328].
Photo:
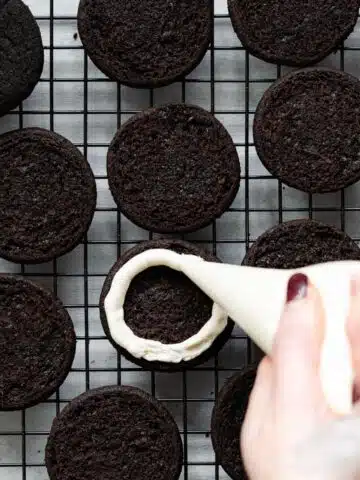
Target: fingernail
[297, 287]
[355, 285]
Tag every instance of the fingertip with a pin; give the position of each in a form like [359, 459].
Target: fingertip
[297, 350]
[302, 326]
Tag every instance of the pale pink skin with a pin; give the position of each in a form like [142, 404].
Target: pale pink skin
[290, 433]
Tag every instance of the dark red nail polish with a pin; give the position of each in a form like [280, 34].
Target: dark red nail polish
[297, 287]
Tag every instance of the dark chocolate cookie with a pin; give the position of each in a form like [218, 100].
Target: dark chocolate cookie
[307, 130]
[173, 169]
[227, 419]
[114, 433]
[21, 54]
[47, 195]
[295, 32]
[300, 243]
[148, 43]
[163, 304]
[37, 341]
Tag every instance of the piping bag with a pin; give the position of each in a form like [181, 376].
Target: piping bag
[254, 298]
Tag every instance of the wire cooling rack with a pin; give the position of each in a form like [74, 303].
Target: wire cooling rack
[76, 100]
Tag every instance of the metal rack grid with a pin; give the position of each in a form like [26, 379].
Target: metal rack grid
[76, 100]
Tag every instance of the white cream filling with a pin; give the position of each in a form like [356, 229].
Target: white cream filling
[153, 350]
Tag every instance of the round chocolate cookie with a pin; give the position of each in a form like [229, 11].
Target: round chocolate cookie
[173, 169]
[21, 54]
[296, 32]
[114, 433]
[47, 195]
[148, 43]
[307, 130]
[162, 304]
[299, 243]
[37, 341]
[227, 419]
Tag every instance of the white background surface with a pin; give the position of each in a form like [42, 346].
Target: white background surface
[235, 74]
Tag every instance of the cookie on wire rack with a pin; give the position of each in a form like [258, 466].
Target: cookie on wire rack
[173, 169]
[299, 243]
[227, 419]
[145, 44]
[307, 130]
[37, 341]
[47, 195]
[114, 433]
[296, 32]
[160, 315]
[21, 54]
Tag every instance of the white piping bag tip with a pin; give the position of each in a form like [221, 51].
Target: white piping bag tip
[254, 298]
[249, 295]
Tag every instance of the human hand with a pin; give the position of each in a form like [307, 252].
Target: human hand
[289, 432]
